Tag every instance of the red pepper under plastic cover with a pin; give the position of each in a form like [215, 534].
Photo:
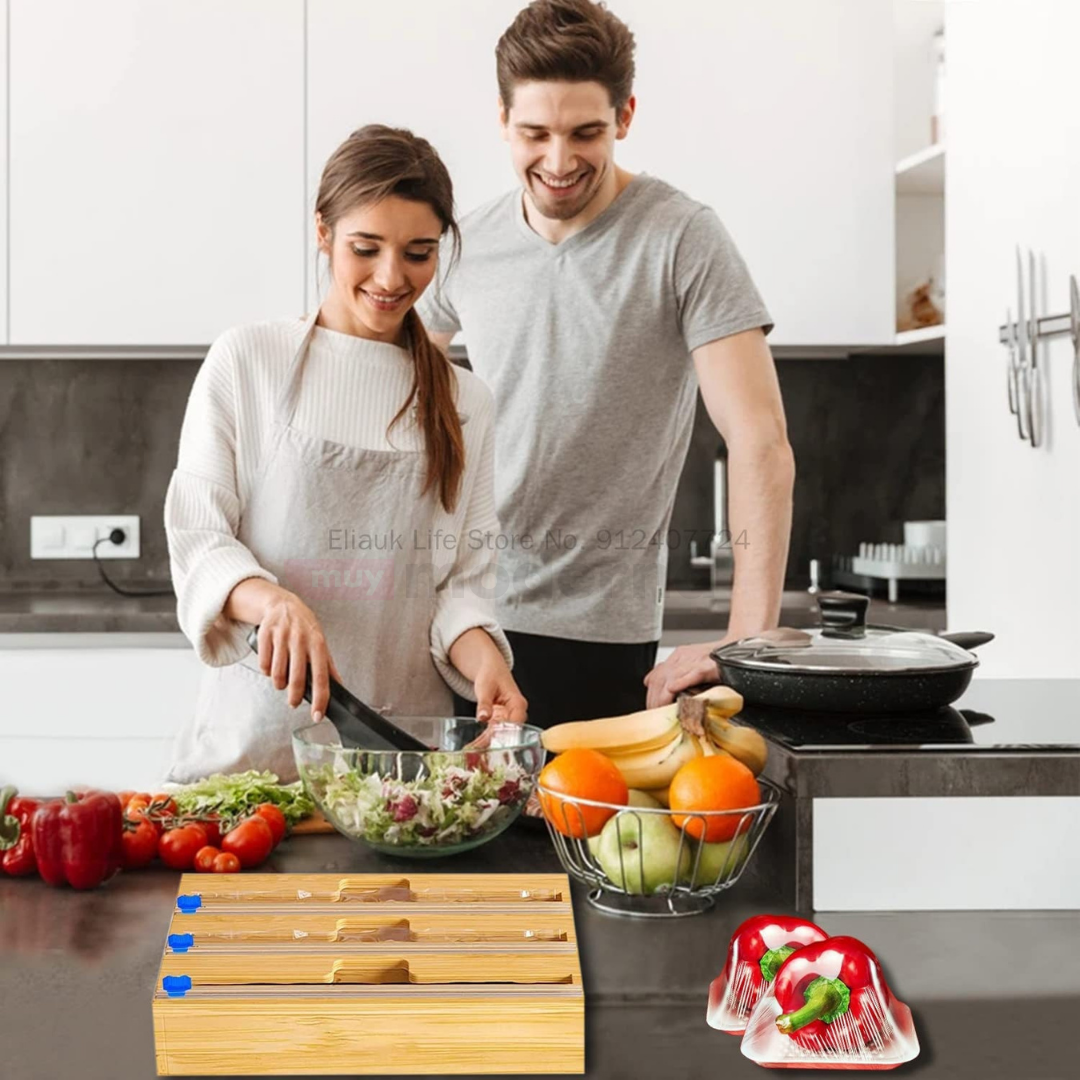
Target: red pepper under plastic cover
[757, 949]
[830, 1007]
[77, 840]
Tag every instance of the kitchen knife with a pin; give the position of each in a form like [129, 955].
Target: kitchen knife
[358, 724]
[1034, 371]
[1074, 327]
[1024, 400]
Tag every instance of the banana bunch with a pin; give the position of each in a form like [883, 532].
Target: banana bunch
[650, 747]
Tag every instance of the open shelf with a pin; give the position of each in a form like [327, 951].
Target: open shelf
[922, 173]
[922, 336]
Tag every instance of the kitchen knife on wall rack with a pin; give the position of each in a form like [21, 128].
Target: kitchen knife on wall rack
[1021, 338]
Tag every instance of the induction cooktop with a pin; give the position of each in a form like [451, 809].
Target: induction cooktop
[992, 714]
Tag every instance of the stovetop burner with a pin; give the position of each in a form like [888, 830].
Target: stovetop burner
[993, 714]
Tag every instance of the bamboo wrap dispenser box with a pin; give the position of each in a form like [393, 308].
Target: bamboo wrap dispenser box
[324, 974]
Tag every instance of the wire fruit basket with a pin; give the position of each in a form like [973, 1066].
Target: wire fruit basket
[642, 864]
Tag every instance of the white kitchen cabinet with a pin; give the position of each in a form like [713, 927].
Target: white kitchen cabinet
[156, 168]
[433, 73]
[3, 173]
[776, 113]
[1013, 179]
[93, 714]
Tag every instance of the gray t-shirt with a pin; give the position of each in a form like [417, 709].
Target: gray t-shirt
[586, 346]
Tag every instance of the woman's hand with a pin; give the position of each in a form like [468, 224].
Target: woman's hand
[290, 638]
[687, 666]
[498, 698]
[478, 658]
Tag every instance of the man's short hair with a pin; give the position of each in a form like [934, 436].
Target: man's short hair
[567, 41]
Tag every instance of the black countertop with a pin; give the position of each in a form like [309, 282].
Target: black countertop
[993, 993]
[689, 615]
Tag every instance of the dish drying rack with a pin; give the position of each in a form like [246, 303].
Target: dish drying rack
[892, 563]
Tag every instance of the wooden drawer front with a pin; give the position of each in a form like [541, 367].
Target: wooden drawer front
[444, 1035]
[214, 890]
[377, 922]
[320, 974]
[378, 964]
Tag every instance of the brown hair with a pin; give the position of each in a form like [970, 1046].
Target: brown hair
[370, 165]
[566, 41]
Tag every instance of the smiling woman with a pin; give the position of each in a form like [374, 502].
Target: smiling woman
[349, 419]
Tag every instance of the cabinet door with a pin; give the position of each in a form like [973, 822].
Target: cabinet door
[433, 73]
[778, 114]
[1012, 180]
[3, 173]
[98, 716]
[156, 177]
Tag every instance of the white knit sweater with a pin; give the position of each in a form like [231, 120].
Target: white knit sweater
[350, 390]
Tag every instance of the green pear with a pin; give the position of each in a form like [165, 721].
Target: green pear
[634, 798]
[640, 852]
[717, 859]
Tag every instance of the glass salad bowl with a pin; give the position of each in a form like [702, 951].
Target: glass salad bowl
[417, 803]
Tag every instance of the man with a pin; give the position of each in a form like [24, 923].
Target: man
[582, 299]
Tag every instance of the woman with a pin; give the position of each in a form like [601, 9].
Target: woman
[334, 475]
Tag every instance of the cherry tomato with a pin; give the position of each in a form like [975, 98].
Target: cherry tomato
[177, 847]
[140, 844]
[204, 859]
[226, 863]
[125, 797]
[251, 841]
[273, 817]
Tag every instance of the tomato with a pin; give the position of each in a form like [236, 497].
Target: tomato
[140, 844]
[164, 805]
[273, 817]
[177, 847]
[251, 841]
[226, 863]
[212, 825]
[125, 797]
[200, 829]
[204, 858]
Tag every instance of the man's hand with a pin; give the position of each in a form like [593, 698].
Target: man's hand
[687, 666]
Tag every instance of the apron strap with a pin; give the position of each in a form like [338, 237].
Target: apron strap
[285, 406]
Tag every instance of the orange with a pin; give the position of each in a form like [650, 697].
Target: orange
[581, 774]
[712, 783]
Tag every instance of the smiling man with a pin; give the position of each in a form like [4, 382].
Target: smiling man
[594, 303]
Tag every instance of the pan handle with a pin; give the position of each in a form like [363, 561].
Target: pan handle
[970, 639]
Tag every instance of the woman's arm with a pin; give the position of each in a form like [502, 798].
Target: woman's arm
[221, 589]
[478, 658]
[468, 646]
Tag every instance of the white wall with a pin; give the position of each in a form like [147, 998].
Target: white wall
[1013, 177]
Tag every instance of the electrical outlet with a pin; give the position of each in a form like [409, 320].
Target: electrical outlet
[73, 537]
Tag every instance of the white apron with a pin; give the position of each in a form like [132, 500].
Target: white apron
[311, 505]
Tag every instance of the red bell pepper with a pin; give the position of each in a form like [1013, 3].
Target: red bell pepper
[833, 997]
[77, 840]
[16, 843]
[757, 949]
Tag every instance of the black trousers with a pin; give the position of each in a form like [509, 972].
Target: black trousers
[575, 680]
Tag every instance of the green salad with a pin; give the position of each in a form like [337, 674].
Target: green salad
[450, 803]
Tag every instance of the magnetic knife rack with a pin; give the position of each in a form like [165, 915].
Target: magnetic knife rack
[1022, 337]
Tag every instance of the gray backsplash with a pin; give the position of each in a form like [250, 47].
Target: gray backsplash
[99, 437]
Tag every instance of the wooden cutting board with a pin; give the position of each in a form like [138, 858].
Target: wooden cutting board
[330, 974]
[312, 824]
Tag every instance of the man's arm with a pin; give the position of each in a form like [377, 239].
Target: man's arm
[738, 382]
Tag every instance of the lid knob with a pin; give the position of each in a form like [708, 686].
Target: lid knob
[843, 614]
